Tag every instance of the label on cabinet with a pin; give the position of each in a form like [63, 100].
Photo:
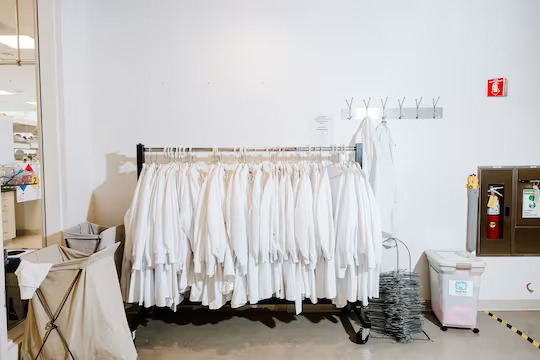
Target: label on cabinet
[531, 204]
[460, 288]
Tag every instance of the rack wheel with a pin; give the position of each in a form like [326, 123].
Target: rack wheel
[443, 328]
[476, 331]
[362, 336]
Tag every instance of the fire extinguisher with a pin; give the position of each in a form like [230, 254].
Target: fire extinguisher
[494, 215]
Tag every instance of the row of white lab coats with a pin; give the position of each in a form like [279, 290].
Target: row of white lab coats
[247, 232]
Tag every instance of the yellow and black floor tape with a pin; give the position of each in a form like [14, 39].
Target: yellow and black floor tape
[514, 329]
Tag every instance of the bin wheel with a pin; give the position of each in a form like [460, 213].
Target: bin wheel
[476, 331]
[443, 328]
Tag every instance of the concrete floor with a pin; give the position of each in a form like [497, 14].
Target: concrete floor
[263, 335]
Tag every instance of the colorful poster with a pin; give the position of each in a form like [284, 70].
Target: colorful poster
[32, 188]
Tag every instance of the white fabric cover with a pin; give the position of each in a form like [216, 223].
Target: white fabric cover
[93, 319]
[30, 276]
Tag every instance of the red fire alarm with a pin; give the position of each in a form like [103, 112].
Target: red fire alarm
[497, 87]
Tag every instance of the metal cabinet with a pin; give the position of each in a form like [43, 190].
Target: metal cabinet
[519, 219]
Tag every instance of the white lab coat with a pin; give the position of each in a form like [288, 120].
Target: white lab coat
[266, 288]
[384, 186]
[365, 134]
[324, 220]
[254, 191]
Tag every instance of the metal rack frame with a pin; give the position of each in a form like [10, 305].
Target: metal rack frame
[361, 336]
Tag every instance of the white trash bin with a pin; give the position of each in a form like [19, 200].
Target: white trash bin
[455, 287]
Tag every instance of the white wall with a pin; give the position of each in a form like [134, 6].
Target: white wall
[255, 72]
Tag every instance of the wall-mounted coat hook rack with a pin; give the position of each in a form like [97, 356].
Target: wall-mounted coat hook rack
[401, 112]
[415, 112]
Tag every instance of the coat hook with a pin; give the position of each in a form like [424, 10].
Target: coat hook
[418, 107]
[435, 105]
[349, 105]
[384, 109]
[401, 107]
[367, 105]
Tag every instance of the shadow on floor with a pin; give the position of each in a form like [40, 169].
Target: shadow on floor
[430, 316]
[183, 337]
[202, 317]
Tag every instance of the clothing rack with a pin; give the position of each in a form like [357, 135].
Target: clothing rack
[142, 149]
[361, 336]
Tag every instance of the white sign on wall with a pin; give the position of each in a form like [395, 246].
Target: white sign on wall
[322, 129]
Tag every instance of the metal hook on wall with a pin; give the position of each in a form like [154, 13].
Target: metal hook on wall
[435, 105]
[367, 105]
[349, 105]
[384, 109]
[401, 107]
[418, 107]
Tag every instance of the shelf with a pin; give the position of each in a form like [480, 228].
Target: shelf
[21, 145]
[24, 121]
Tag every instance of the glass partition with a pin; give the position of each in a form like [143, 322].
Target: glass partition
[20, 165]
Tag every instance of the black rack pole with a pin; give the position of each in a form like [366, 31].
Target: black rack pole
[358, 153]
[140, 159]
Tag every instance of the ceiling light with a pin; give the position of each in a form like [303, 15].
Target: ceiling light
[32, 103]
[2, 92]
[26, 41]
